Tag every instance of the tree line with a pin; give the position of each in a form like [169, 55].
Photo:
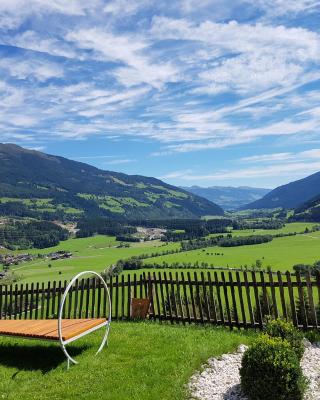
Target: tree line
[37, 234]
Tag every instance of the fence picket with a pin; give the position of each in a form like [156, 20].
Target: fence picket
[212, 301]
[283, 301]
[226, 299]
[168, 296]
[302, 302]
[192, 298]
[251, 314]
[159, 315]
[313, 312]
[185, 297]
[292, 300]
[234, 303]
[243, 312]
[219, 298]
[273, 296]
[257, 299]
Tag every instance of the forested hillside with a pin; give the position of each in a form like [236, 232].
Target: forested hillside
[310, 211]
[36, 184]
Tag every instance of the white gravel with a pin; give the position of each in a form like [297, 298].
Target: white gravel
[220, 379]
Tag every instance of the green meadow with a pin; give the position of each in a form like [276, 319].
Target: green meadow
[281, 254]
[94, 253]
[99, 252]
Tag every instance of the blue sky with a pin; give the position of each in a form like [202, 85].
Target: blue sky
[195, 92]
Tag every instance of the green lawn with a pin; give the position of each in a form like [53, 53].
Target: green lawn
[280, 254]
[143, 361]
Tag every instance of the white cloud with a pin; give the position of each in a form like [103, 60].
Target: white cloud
[275, 157]
[128, 50]
[284, 7]
[268, 157]
[120, 161]
[14, 12]
[244, 58]
[30, 40]
[293, 169]
[31, 68]
[120, 8]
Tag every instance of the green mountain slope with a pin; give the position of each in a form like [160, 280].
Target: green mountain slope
[32, 183]
[309, 211]
[227, 197]
[291, 195]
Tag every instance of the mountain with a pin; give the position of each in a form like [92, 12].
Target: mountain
[309, 211]
[290, 195]
[228, 197]
[32, 182]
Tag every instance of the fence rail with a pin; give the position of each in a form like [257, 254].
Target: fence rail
[234, 299]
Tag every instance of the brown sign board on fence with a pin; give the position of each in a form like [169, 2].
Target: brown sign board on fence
[139, 308]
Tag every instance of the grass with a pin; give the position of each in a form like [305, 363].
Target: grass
[297, 227]
[143, 361]
[42, 205]
[281, 254]
[94, 253]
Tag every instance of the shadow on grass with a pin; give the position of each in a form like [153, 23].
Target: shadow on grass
[36, 357]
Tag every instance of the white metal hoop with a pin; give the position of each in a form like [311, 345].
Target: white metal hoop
[106, 324]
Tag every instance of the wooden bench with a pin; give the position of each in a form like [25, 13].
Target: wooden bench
[61, 330]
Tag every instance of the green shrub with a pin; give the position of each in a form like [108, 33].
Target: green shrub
[271, 371]
[286, 331]
[313, 336]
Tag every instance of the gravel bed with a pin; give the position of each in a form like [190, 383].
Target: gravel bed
[220, 379]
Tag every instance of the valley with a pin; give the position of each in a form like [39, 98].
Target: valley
[100, 252]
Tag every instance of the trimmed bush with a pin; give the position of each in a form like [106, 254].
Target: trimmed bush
[286, 331]
[271, 371]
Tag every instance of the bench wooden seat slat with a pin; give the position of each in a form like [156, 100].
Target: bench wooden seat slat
[47, 329]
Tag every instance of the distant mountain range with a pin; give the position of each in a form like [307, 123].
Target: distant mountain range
[228, 197]
[34, 183]
[291, 195]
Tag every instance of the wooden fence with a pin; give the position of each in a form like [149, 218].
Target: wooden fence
[234, 299]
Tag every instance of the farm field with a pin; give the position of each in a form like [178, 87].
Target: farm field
[281, 254]
[142, 360]
[297, 227]
[94, 253]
